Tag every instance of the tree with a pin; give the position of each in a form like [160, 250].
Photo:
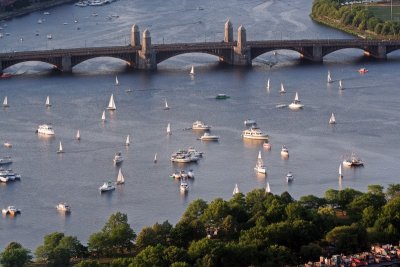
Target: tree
[393, 191]
[88, 263]
[151, 256]
[58, 257]
[348, 239]
[310, 252]
[15, 255]
[74, 246]
[157, 234]
[50, 242]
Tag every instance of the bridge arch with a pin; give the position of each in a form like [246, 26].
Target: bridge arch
[76, 60]
[53, 63]
[255, 52]
[327, 51]
[160, 57]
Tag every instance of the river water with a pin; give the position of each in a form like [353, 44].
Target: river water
[366, 112]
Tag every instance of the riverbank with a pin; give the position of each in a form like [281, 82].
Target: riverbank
[32, 8]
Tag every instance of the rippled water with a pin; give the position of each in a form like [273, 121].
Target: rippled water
[366, 112]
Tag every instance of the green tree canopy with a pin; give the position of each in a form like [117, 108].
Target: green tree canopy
[15, 255]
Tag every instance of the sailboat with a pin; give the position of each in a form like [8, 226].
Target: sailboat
[268, 85]
[48, 102]
[127, 142]
[260, 167]
[111, 103]
[329, 78]
[332, 119]
[78, 135]
[296, 103]
[166, 105]
[192, 70]
[340, 85]
[5, 102]
[116, 80]
[155, 158]
[340, 172]
[267, 188]
[236, 190]
[169, 129]
[120, 177]
[103, 117]
[60, 149]
[282, 91]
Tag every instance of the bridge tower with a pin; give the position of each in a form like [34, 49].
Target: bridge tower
[146, 57]
[135, 37]
[241, 53]
[228, 32]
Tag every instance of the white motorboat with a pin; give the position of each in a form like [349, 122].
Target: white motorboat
[184, 186]
[296, 104]
[193, 152]
[60, 149]
[118, 159]
[5, 102]
[254, 133]
[78, 135]
[103, 116]
[5, 160]
[199, 125]
[192, 71]
[11, 210]
[236, 190]
[282, 90]
[47, 104]
[289, 177]
[4, 179]
[284, 151]
[111, 103]
[332, 119]
[209, 137]
[179, 175]
[120, 177]
[166, 107]
[49, 36]
[45, 129]
[127, 141]
[353, 161]
[249, 122]
[8, 175]
[186, 156]
[190, 174]
[64, 207]
[329, 78]
[169, 129]
[107, 186]
[8, 145]
[260, 167]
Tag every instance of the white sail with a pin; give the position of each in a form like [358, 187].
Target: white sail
[340, 85]
[296, 98]
[329, 78]
[169, 128]
[166, 105]
[259, 160]
[282, 91]
[120, 177]
[155, 158]
[192, 71]
[78, 135]
[332, 119]
[127, 142]
[268, 84]
[60, 148]
[236, 190]
[48, 102]
[116, 80]
[267, 189]
[111, 103]
[5, 102]
[340, 171]
[103, 117]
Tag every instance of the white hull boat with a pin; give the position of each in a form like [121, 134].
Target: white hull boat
[254, 133]
[199, 125]
[111, 103]
[45, 129]
[209, 137]
[260, 167]
[284, 151]
[64, 207]
[289, 177]
[118, 159]
[107, 186]
[296, 104]
[120, 177]
[192, 71]
[236, 190]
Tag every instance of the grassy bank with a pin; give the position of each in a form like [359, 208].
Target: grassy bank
[32, 8]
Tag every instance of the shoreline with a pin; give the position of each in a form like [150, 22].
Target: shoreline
[32, 8]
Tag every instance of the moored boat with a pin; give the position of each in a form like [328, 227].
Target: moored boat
[260, 167]
[284, 151]
[209, 137]
[107, 186]
[236, 190]
[353, 161]
[64, 207]
[254, 133]
[296, 104]
[289, 177]
[118, 159]
[222, 96]
[199, 125]
[11, 210]
[45, 129]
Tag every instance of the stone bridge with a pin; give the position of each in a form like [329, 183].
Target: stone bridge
[141, 54]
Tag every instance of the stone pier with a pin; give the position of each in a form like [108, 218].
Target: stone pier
[146, 58]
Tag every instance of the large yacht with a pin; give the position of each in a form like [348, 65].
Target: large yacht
[45, 129]
[353, 161]
[208, 137]
[254, 133]
[186, 156]
[8, 175]
[199, 125]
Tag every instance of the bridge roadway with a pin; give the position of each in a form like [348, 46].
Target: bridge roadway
[313, 50]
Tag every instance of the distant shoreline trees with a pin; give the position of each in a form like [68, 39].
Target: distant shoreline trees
[256, 229]
[353, 18]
